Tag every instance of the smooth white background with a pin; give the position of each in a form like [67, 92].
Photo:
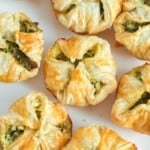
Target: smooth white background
[41, 11]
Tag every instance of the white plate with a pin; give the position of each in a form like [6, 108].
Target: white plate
[41, 11]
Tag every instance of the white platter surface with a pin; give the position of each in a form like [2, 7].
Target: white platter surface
[41, 11]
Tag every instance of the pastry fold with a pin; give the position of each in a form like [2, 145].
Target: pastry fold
[80, 70]
[33, 123]
[131, 108]
[83, 16]
[21, 47]
[132, 28]
[95, 137]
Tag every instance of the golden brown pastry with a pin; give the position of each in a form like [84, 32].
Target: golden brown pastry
[80, 70]
[86, 16]
[97, 138]
[21, 46]
[132, 28]
[34, 123]
[131, 108]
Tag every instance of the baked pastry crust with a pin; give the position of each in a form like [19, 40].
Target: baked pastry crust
[131, 108]
[35, 123]
[89, 17]
[80, 70]
[132, 28]
[21, 47]
[95, 137]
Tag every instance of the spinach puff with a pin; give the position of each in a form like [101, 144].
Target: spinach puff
[132, 28]
[80, 70]
[95, 137]
[35, 123]
[131, 108]
[86, 16]
[21, 46]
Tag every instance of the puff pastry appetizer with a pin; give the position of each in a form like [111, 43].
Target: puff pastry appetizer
[132, 28]
[21, 46]
[131, 108]
[97, 138]
[86, 16]
[34, 123]
[80, 70]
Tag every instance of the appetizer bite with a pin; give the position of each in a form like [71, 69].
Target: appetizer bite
[35, 123]
[92, 16]
[80, 70]
[132, 28]
[21, 47]
[131, 108]
[95, 137]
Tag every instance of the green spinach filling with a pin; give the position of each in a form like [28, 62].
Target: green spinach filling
[101, 8]
[36, 104]
[61, 56]
[97, 85]
[72, 6]
[89, 53]
[38, 114]
[131, 26]
[147, 2]
[19, 56]
[77, 61]
[138, 75]
[28, 27]
[13, 133]
[62, 127]
[145, 97]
